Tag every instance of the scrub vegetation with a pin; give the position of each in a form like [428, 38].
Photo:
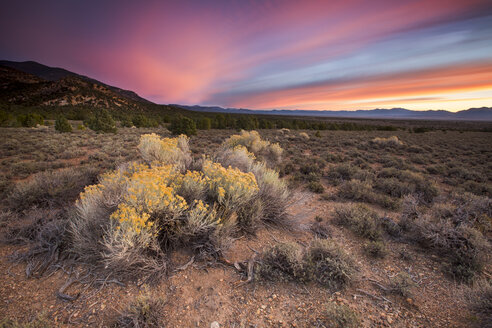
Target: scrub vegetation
[379, 215]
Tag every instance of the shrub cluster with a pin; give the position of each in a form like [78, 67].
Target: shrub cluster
[144, 311]
[337, 316]
[30, 120]
[322, 262]
[359, 219]
[271, 153]
[62, 124]
[50, 188]
[452, 228]
[398, 183]
[274, 196]
[357, 190]
[128, 221]
[167, 151]
[392, 141]
[183, 125]
[102, 121]
[481, 303]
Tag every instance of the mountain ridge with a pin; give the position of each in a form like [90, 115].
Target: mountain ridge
[55, 74]
[32, 83]
[483, 113]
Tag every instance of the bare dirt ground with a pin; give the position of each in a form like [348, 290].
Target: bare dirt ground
[203, 293]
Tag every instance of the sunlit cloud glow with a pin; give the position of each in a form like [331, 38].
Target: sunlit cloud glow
[322, 55]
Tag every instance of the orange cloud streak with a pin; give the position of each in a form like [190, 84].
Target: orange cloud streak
[413, 84]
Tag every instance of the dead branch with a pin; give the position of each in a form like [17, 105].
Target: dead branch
[61, 292]
[185, 266]
[373, 296]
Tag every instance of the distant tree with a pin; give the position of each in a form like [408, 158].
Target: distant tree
[183, 125]
[166, 119]
[204, 123]
[5, 118]
[142, 121]
[102, 122]
[219, 122]
[126, 122]
[30, 120]
[247, 122]
[62, 124]
[266, 124]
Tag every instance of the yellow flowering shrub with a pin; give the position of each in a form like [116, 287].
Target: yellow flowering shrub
[201, 217]
[173, 151]
[230, 186]
[149, 191]
[191, 185]
[160, 204]
[252, 141]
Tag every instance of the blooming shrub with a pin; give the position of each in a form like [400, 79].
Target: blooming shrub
[304, 135]
[173, 151]
[391, 141]
[229, 186]
[134, 214]
[262, 149]
[273, 196]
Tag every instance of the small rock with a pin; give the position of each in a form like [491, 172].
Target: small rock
[263, 307]
[214, 324]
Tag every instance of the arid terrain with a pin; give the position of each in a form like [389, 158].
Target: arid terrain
[411, 213]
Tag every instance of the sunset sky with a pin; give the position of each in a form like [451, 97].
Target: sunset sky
[323, 55]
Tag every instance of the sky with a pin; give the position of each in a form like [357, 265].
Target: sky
[315, 55]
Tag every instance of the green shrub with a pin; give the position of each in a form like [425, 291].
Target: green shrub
[144, 311]
[451, 231]
[480, 300]
[62, 124]
[5, 118]
[390, 227]
[398, 183]
[40, 322]
[30, 120]
[376, 249]
[281, 262]
[401, 284]
[204, 123]
[322, 261]
[360, 219]
[126, 122]
[183, 125]
[316, 187]
[337, 316]
[327, 264]
[357, 190]
[142, 121]
[46, 189]
[102, 122]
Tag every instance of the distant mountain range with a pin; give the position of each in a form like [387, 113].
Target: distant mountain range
[473, 114]
[33, 84]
